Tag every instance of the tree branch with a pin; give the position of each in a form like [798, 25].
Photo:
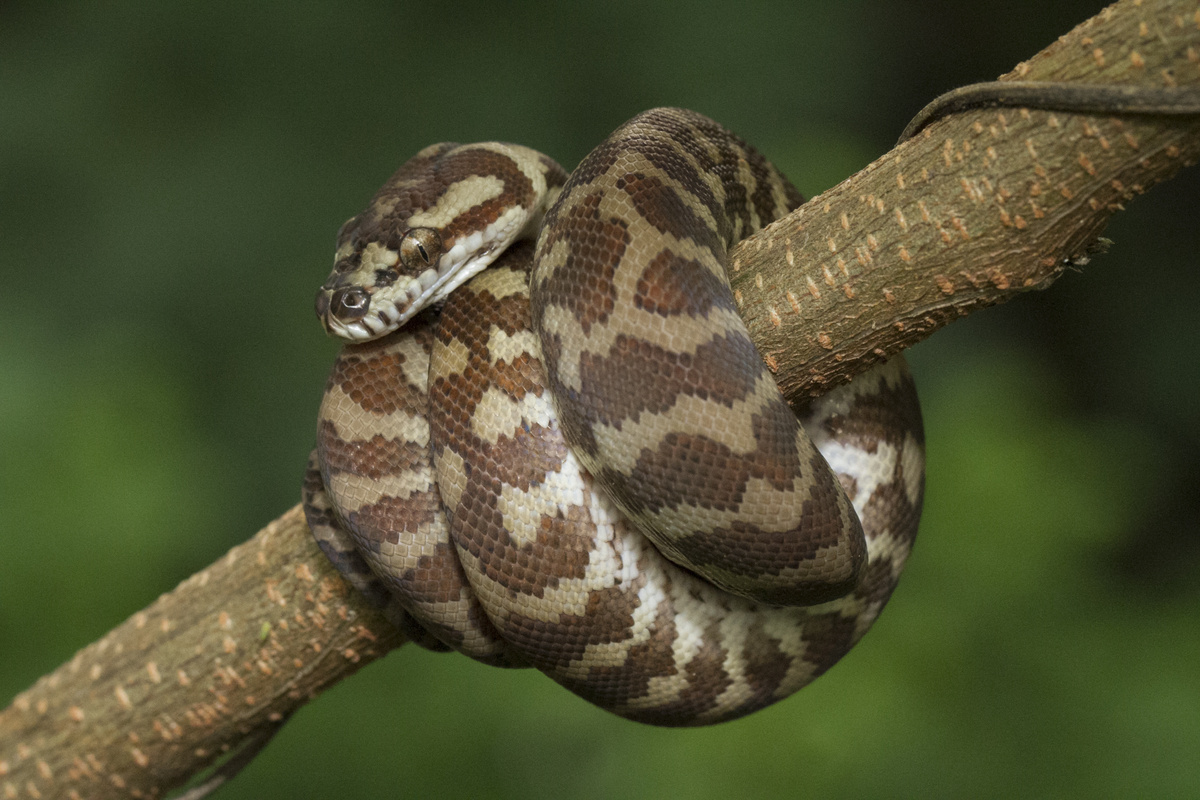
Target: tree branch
[977, 208]
[974, 210]
[229, 653]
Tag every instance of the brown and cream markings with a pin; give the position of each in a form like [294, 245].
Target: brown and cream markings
[590, 470]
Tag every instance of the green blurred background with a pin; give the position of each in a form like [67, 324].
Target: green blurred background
[171, 179]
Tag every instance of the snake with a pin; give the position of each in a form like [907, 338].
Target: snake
[548, 440]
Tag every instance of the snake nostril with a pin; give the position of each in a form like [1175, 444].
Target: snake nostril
[349, 303]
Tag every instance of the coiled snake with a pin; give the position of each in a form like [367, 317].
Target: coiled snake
[582, 464]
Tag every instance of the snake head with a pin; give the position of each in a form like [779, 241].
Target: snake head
[374, 289]
[444, 216]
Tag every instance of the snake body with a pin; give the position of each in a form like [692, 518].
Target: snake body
[582, 464]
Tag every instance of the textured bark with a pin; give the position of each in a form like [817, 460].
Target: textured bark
[976, 209]
[231, 651]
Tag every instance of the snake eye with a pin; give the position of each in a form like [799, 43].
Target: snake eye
[420, 248]
[350, 303]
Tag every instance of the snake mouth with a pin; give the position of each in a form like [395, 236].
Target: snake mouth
[361, 314]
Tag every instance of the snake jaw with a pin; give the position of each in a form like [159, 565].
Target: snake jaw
[371, 299]
[473, 253]
[443, 217]
[359, 312]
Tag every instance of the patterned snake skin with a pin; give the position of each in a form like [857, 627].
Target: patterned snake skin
[581, 464]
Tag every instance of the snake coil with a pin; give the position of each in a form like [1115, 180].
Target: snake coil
[582, 464]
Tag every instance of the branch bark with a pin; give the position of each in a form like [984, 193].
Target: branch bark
[226, 655]
[976, 209]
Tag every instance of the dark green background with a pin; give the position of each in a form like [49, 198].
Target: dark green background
[171, 179]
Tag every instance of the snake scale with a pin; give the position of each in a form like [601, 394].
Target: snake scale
[581, 463]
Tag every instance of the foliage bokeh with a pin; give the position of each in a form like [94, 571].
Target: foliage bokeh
[171, 177]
